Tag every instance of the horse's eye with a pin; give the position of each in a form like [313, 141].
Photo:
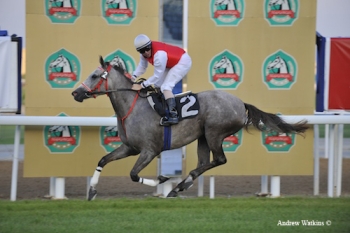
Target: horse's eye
[94, 76]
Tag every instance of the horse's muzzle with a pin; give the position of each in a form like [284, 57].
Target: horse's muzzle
[78, 96]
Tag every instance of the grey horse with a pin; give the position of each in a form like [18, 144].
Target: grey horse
[221, 114]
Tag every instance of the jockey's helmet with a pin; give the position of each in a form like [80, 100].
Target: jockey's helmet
[142, 42]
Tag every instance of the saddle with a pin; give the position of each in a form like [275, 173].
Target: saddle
[187, 104]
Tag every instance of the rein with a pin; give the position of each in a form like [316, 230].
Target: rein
[96, 90]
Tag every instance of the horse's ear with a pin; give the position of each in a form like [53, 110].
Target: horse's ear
[102, 62]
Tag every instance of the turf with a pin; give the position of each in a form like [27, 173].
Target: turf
[177, 215]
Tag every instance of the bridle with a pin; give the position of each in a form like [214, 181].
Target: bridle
[103, 79]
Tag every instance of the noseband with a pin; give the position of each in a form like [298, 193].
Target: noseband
[103, 79]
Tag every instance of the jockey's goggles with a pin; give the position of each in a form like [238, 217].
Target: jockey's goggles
[145, 49]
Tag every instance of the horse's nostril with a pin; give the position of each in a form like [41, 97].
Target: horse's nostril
[74, 93]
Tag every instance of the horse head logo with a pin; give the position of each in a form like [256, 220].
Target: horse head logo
[225, 64]
[279, 4]
[281, 12]
[279, 70]
[61, 138]
[227, 12]
[62, 69]
[226, 70]
[118, 4]
[123, 60]
[118, 61]
[63, 11]
[278, 64]
[118, 11]
[61, 62]
[109, 138]
[225, 4]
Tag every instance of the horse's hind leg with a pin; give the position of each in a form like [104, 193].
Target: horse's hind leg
[121, 152]
[203, 153]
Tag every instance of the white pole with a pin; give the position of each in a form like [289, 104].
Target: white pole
[88, 180]
[200, 186]
[264, 184]
[331, 161]
[212, 187]
[52, 186]
[59, 189]
[326, 141]
[185, 25]
[339, 159]
[275, 186]
[15, 163]
[316, 161]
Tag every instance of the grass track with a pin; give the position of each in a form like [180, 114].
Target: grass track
[174, 215]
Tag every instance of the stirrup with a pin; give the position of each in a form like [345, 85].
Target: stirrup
[164, 121]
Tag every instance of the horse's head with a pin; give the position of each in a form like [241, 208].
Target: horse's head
[221, 2]
[222, 63]
[103, 80]
[276, 63]
[58, 62]
[111, 2]
[275, 2]
[117, 61]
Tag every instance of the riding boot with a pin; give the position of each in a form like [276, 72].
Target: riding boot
[173, 117]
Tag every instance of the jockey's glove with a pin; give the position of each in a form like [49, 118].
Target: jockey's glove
[133, 78]
[139, 80]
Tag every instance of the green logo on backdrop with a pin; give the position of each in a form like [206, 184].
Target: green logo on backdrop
[123, 60]
[279, 71]
[62, 11]
[61, 138]
[277, 142]
[281, 12]
[226, 12]
[226, 70]
[109, 137]
[119, 11]
[232, 142]
[62, 69]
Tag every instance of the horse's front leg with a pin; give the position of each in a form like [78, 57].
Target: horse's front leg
[121, 152]
[145, 158]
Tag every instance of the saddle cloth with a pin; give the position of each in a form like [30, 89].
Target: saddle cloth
[187, 104]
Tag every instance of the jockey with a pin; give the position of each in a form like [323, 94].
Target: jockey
[171, 64]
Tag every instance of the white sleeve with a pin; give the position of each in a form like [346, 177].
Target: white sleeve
[159, 62]
[141, 67]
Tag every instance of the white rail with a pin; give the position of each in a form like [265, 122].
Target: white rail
[334, 158]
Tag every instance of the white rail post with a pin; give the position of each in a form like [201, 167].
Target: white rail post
[316, 161]
[200, 186]
[275, 186]
[88, 180]
[330, 191]
[212, 187]
[52, 186]
[59, 188]
[15, 163]
[339, 160]
[264, 184]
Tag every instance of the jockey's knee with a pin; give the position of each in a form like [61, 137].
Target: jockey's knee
[134, 177]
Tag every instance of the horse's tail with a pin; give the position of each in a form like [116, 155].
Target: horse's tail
[264, 121]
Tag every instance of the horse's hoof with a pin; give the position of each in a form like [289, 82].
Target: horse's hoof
[92, 193]
[172, 194]
[162, 179]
